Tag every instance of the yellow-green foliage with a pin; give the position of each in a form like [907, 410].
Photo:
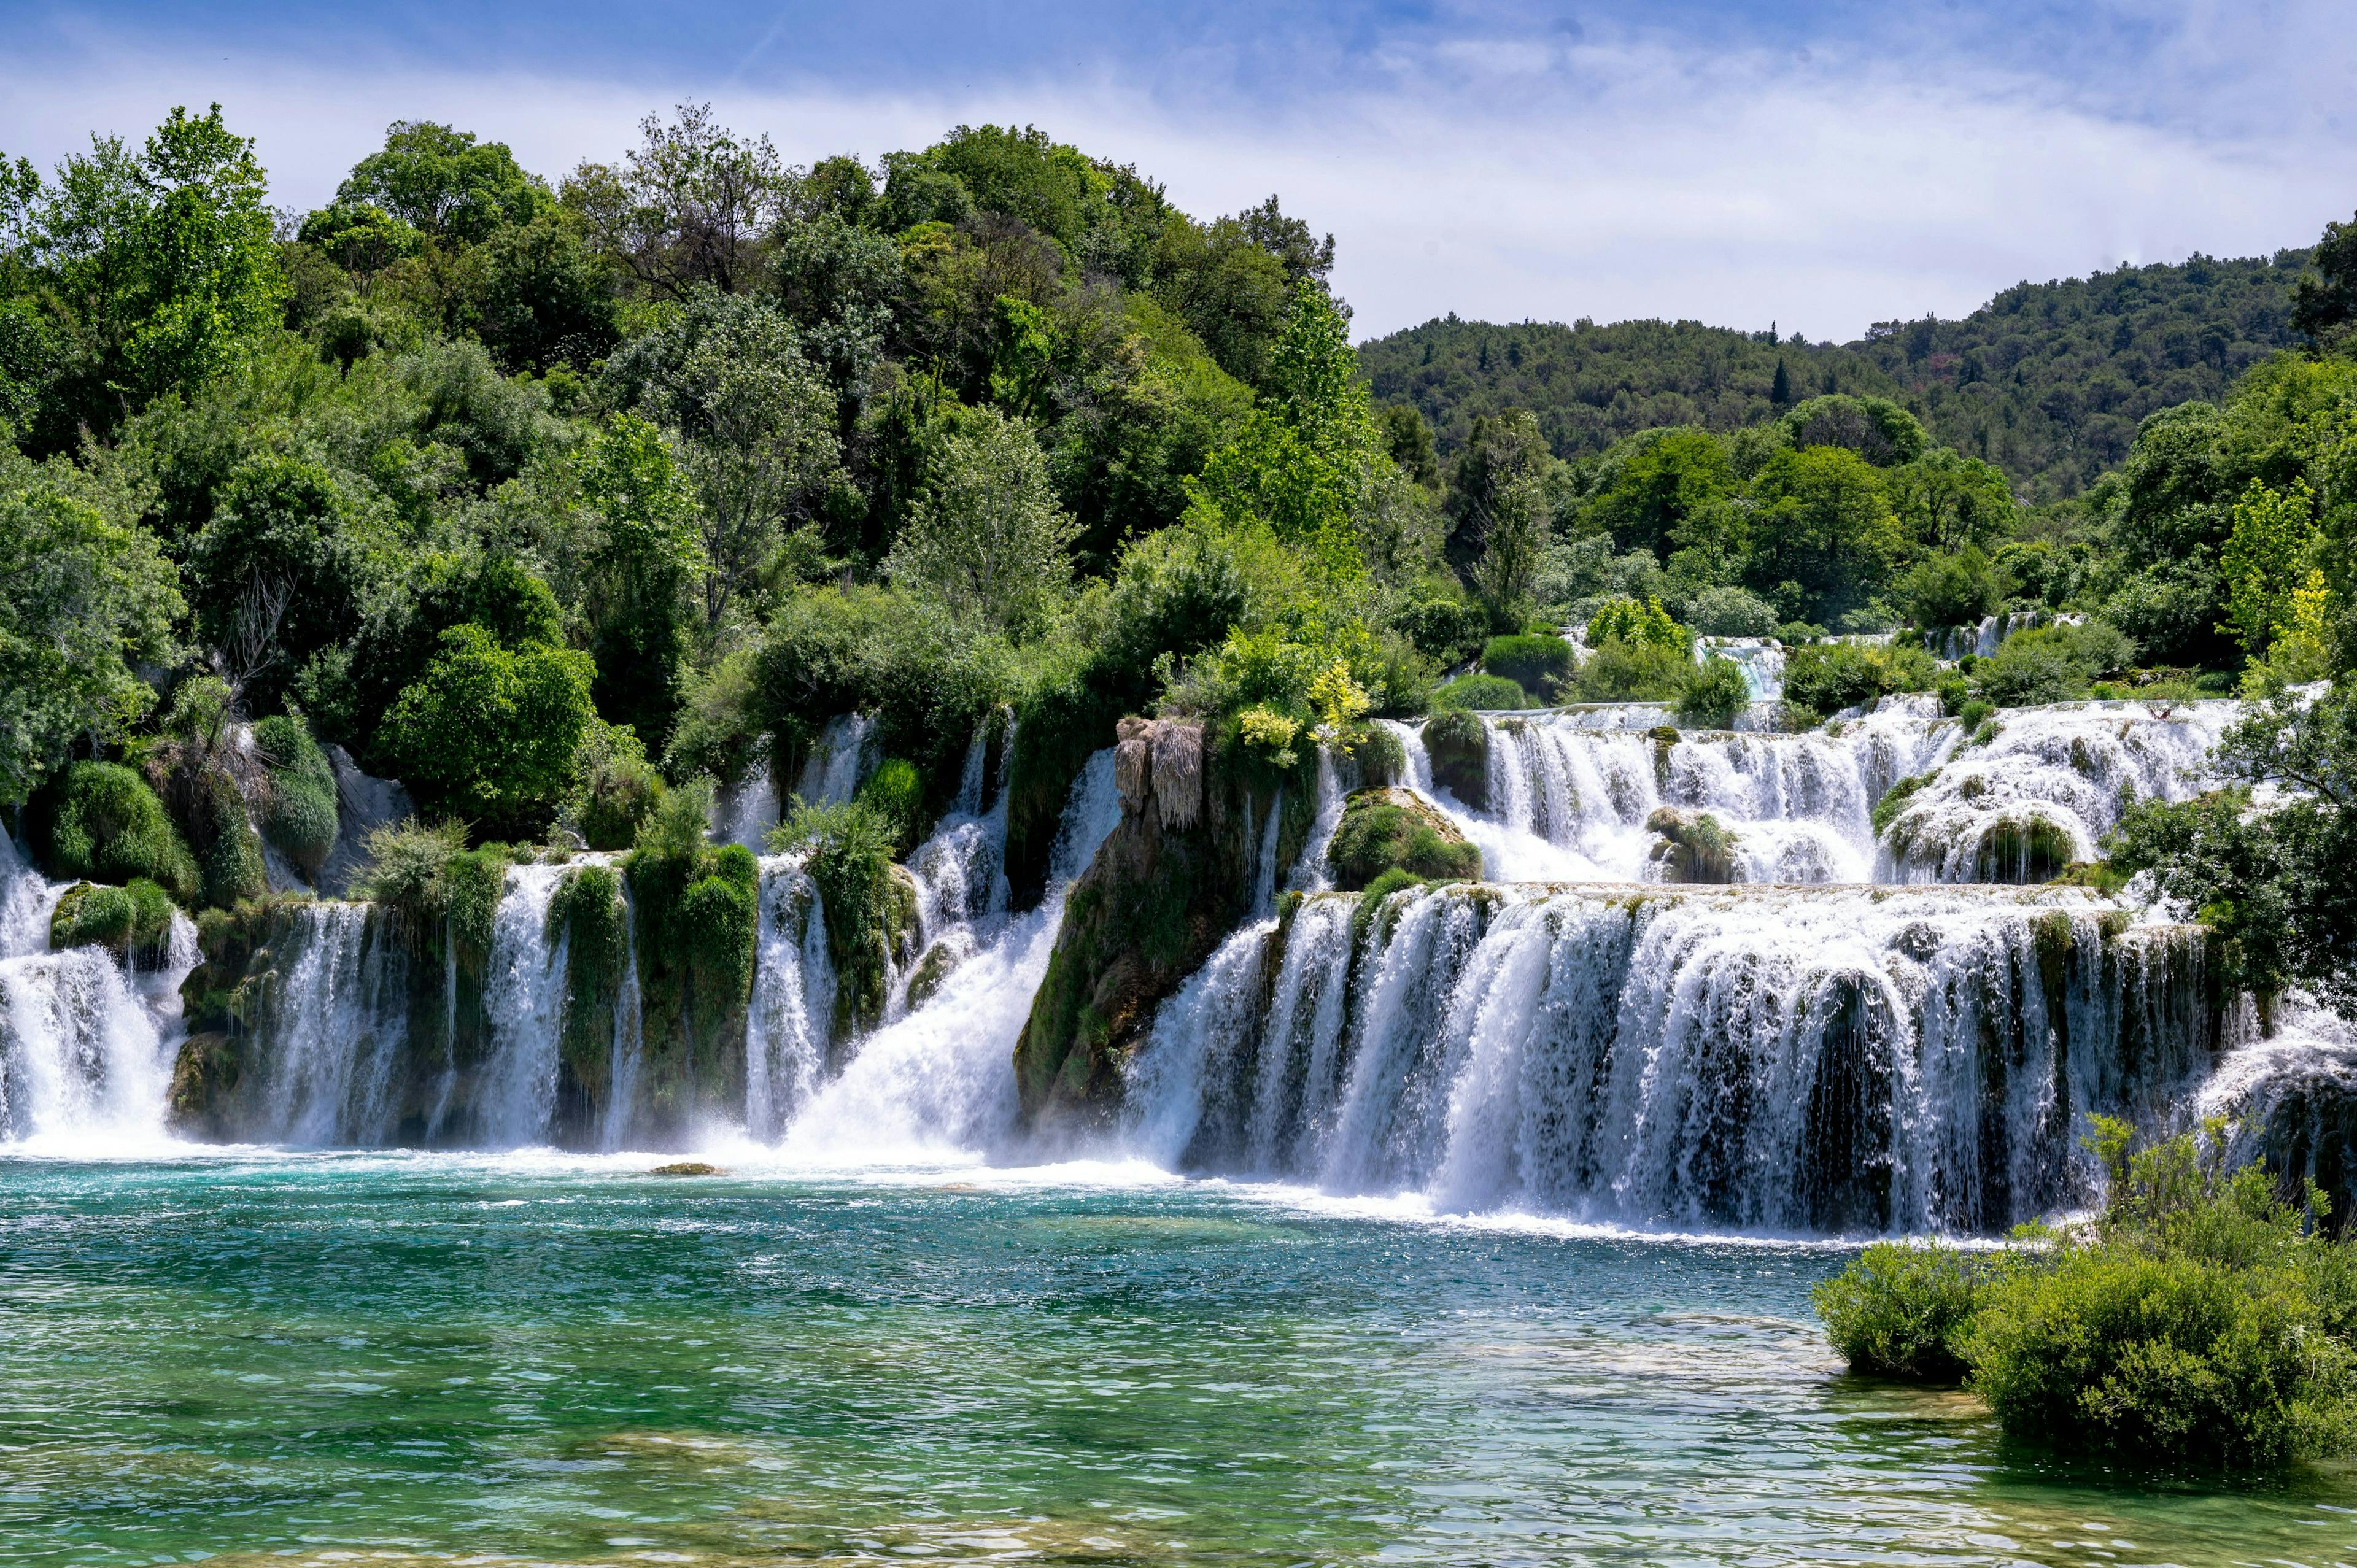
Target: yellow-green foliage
[101, 821]
[299, 815]
[1643, 625]
[1470, 693]
[896, 794]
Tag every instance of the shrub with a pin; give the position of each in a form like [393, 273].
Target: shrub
[614, 787]
[1713, 693]
[1730, 612]
[2052, 664]
[1481, 692]
[1951, 590]
[1445, 631]
[850, 859]
[897, 794]
[1539, 665]
[1383, 759]
[1827, 677]
[1626, 620]
[404, 866]
[1901, 1310]
[101, 821]
[299, 815]
[1460, 748]
[1894, 801]
[1618, 670]
[491, 732]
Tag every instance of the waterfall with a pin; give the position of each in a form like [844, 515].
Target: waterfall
[1336, 778]
[1761, 660]
[524, 996]
[1265, 861]
[628, 1047]
[939, 1081]
[793, 998]
[87, 1042]
[962, 894]
[333, 1029]
[746, 813]
[2047, 787]
[839, 760]
[27, 899]
[1782, 1060]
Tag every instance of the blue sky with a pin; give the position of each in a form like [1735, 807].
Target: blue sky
[1822, 166]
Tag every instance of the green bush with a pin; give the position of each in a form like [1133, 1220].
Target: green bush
[850, 848]
[1951, 590]
[299, 814]
[1460, 748]
[1539, 665]
[2052, 664]
[1730, 612]
[1626, 620]
[1620, 670]
[1469, 693]
[1445, 631]
[229, 852]
[100, 821]
[897, 794]
[1713, 694]
[1827, 677]
[1383, 759]
[1894, 801]
[490, 732]
[1901, 1311]
[614, 787]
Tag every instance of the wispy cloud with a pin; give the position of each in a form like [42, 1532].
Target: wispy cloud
[1821, 168]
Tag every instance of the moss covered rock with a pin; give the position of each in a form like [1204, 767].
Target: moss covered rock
[1158, 898]
[1391, 830]
[298, 814]
[103, 822]
[1460, 748]
[130, 922]
[1691, 847]
[1381, 758]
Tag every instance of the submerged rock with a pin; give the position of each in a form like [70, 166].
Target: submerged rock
[1391, 830]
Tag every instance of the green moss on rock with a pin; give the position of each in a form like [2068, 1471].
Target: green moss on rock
[133, 922]
[100, 821]
[1460, 748]
[1389, 830]
[1691, 847]
[298, 814]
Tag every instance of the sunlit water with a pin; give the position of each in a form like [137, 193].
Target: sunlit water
[366, 1358]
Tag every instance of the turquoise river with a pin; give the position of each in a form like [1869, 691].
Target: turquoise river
[241, 1357]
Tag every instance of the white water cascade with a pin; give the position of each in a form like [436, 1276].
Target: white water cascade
[525, 1000]
[87, 1040]
[1782, 1060]
[786, 1025]
[1568, 799]
[939, 1082]
[336, 1024]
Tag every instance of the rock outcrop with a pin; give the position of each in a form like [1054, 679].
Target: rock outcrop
[1391, 830]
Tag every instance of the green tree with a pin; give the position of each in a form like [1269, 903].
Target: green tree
[1822, 523]
[546, 299]
[2266, 560]
[490, 732]
[2324, 303]
[158, 268]
[638, 556]
[1656, 489]
[443, 182]
[693, 204]
[986, 540]
[1946, 501]
[755, 429]
[1504, 447]
[82, 599]
[281, 572]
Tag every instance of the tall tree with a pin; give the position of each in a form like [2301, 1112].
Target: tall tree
[693, 204]
[987, 539]
[443, 182]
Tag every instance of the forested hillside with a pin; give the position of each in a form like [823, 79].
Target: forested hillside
[2047, 381]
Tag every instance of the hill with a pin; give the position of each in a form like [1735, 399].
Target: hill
[2047, 381]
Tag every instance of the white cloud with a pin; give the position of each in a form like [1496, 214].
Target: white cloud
[1507, 179]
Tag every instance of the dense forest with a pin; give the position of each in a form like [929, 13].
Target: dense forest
[2047, 381]
[560, 499]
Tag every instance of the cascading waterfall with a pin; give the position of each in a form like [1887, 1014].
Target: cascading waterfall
[525, 999]
[1761, 660]
[336, 1020]
[1783, 1060]
[938, 1082]
[838, 761]
[27, 899]
[1337, 777]
[962, 894]
[1570, 800]
[628, 1047]
[793, 995]
[746, 813]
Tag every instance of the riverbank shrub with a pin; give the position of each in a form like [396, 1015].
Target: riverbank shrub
[896, 793]
[614, 787]
[1469, 693]
[100, 821]
[1382, 831]
[2052, 664]
[1713, 694]
[1627, 670]
[1901, 1310]
[1460, 748]
[2200, 1318]
[132, 921]
[1539, 665]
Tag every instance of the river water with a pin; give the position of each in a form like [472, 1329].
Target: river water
[241, 1357]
